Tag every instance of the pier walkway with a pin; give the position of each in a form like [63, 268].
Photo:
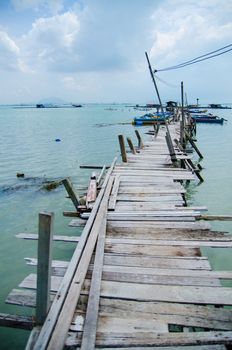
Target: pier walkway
[146, 285]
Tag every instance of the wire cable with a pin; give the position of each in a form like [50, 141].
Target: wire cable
[198, 59]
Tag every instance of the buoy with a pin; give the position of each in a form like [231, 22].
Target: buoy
[57, 140]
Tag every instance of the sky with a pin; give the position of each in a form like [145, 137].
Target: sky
[93, 51]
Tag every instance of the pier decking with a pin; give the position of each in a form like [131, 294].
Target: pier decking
[146, 284]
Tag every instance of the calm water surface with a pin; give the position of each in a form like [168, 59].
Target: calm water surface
[88, 136]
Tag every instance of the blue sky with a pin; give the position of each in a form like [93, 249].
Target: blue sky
[93, 50]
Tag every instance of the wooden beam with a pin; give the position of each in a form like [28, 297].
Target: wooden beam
[71, 192]
[44, 266]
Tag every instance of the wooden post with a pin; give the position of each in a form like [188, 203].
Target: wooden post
[101, 174]
[131, 145]
[44, 266]
[140, 142]
[171, 148]
[182, 123]
[122, 148]
[71, 192]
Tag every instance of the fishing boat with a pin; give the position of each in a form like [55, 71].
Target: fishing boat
[149, 118]
[207, 118]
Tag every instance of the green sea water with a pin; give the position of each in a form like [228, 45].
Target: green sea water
[88, 136]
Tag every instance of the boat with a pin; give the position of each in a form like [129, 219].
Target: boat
[197, 111]
[76, 105]
[207, 118]
[150, 118]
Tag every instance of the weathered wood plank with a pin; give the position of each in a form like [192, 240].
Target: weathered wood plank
[91, 319]
[159, 242]
[196, 263]
[133, 225]
[168, 293]
[142, 232]
[16, 321]
[150, 250]
[114, 193]
[164, 339]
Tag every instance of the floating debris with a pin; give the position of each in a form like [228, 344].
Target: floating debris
[52, 185]
[20, 175]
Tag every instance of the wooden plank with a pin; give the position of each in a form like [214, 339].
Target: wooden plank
[155, 271]
[133, 277]
[163, 339]
[161, 218]
[153, 250]
[109, 270]
[171, 233]
[91, 319]
[124, 324]
[155, 173]
[167, 293]
[31, 282]
[72, 342]
[22, 297]
[158, 262]
[114, 193]
[58, 238]
[159, 242]
[157, 213]
[16, 321]
[151, 190]
[177, 200]
[158, 224]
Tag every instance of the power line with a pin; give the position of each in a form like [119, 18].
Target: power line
[198, 59]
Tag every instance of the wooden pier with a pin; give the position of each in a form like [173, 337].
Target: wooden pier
[137, 279]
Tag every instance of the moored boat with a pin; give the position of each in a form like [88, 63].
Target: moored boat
[148, 119]
[207, 118]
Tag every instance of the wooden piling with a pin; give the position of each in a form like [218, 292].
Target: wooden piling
[140, 142]
[122, 148]
[130, 143]
[71, 192]
[44, 266]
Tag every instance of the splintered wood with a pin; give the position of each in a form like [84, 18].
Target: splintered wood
[146, 286]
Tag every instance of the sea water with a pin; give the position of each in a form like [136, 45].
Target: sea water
[88, 136]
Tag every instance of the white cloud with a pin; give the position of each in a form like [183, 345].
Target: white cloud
[50, 44]
[9, 53]
[189, 28]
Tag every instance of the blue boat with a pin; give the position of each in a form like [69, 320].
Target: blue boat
[207, 118]
[148, 119]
